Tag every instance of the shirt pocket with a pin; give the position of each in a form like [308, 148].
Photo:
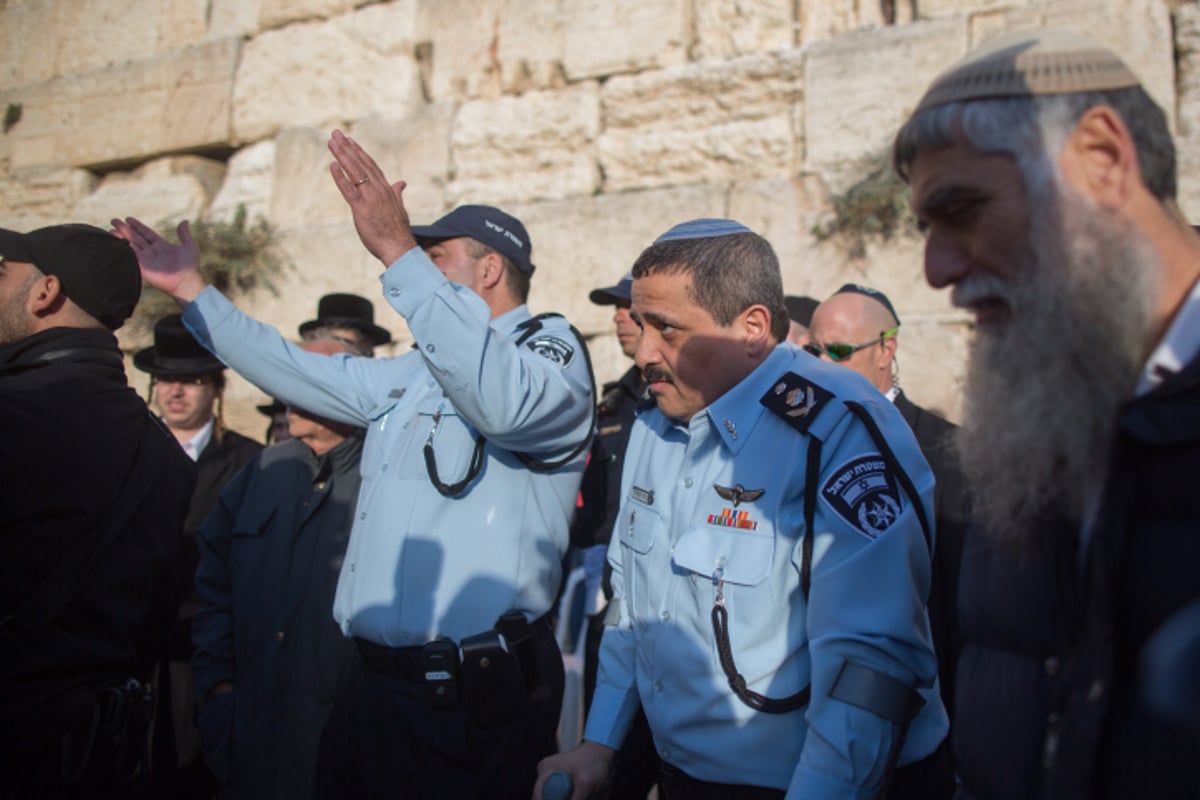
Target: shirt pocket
[636, 530]
[739, 557]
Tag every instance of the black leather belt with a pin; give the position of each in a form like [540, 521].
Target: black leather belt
[403, 662]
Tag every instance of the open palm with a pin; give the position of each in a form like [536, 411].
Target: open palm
[173, 268]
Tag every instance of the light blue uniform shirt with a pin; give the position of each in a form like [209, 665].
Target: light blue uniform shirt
[420, 565]
[870, 581]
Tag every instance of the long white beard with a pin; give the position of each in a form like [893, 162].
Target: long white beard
[1044, 388]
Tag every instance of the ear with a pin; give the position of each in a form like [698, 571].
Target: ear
[491, 270]
[1100, 160]
[46, 296]
[888, 351]
[755, 323]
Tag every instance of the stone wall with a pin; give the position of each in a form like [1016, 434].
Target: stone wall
[599, 122]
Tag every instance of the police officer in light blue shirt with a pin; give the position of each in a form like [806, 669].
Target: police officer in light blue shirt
[771, 557]
[475, 445]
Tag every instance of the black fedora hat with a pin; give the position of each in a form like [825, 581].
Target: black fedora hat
[272, 408]
[175, 351]
[348, 311]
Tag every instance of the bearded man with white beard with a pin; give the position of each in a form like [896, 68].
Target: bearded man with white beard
[1044, 178]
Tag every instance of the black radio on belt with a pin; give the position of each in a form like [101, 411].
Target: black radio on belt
[439, 665]
[492, 676]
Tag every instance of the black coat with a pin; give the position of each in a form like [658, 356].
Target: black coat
[1048, 681]
[934, 436]
[271, 553]
[70, 427]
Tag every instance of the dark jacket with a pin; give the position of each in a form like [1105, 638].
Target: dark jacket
[271, 552]
[934, 435]
[600, 489]
[70, 429]
[1048, 681]
[219, 461]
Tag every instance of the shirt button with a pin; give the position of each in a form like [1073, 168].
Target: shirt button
[658, 686]
[352, 568]
[429, 348]
[394, 292]
[383, 468]
[1051, 667]
[666, 615]
[363, 515]
[687, 483]
[1095, 691]
[279, 636]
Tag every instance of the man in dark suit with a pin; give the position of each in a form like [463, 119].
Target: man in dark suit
[187, 384]
[858, 328]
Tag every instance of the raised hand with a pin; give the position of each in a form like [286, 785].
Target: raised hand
[173, 268]
[378, 207]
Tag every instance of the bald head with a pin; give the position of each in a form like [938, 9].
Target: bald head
[856, 319]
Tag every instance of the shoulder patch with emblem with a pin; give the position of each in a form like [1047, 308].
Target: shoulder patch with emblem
[798, 400]
[864, 492]
[553, 349]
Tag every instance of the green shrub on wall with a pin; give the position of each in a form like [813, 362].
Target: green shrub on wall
[874, 207]
[235, 257]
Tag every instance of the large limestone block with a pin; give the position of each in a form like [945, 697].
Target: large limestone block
[233, 17]
[320, 261]
[821, 20]
[42, 196]
[583, 243]
[319, 74]
[277, 13]
[731, 28]
[530, 43]
[784, 211]
[247, 183]
[860, 88]
[161, 193]
[303, 194]
[460, 39]
[1187, 153]
[46, 39]
[127, 112]
[613, 36]
[537, 146]
[704, 122]
[1187, 58]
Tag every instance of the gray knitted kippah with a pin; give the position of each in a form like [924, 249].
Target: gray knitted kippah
[1030, 63]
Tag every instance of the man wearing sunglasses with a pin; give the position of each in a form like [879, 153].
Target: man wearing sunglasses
[857, 327]
[1044, 177]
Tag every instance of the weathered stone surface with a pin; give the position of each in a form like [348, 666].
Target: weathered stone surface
[784, 211]
[125, 112]
[248, 179]
[531, 56]
[702, 122]
[1187, 57]
[587, 242]
[731, 28]
[461, 39]
[860, 88]
[613, 36]
[232, 18]
[323, 73]
[830, 19]
[1187, 153]
[89, 35]
[303, 194]
[537, 146]
[42, 196]
[162, 193]
[276, 13]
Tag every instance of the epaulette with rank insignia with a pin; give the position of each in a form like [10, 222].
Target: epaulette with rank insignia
[797, 400]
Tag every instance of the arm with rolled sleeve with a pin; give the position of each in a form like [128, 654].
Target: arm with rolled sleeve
[518, 399]
[866, 606]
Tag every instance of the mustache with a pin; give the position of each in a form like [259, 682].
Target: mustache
[656, 374]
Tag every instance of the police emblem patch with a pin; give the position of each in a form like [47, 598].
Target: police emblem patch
[864, 493]
[552, 349]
